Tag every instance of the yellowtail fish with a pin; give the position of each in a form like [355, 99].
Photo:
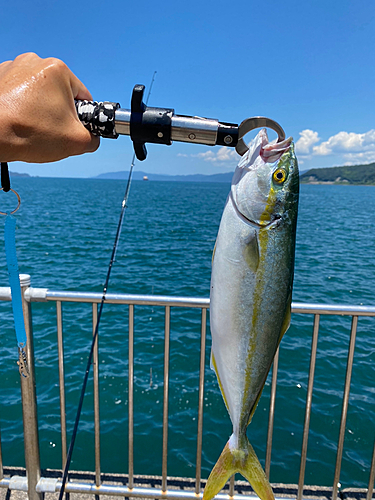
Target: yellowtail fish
[251, 294]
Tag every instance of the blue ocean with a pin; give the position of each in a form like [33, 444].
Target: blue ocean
[65, 233]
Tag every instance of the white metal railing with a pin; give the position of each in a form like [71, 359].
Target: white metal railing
[36, 486]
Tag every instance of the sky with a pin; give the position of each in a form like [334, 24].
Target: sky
[309, 65]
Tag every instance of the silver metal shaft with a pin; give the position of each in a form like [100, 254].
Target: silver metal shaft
[165, 398]
[345, 404]
[29, 408]
[95, 363]
[200, 402]
[191, 129]
[271, 414]
[60, 346]
[370, 489]
[131, 397]
[314, 347]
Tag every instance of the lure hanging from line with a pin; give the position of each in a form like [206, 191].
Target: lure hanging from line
[14, 279]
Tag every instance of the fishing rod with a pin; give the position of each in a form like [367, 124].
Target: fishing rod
[96, 331]
[161, 126]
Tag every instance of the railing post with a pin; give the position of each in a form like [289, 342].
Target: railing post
[29, 407]
[1, 462]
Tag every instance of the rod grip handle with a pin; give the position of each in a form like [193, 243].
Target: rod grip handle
[98, 117]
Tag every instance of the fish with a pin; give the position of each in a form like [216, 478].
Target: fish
[251, 295]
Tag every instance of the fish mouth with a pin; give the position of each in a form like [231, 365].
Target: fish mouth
[274, 222]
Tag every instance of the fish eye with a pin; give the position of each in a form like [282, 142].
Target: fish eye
[279, 175]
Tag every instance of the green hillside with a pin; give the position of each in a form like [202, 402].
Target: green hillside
[356, 174]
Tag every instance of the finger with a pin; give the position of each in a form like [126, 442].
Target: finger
[93, 145]
[88, 143]
[4, 66]
[79, 90]
[85, 141]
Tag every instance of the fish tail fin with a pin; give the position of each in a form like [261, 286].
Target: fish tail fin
[245, 462]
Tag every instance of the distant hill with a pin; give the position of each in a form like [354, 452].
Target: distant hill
[16, 174]
[137, 175]
[356, 174]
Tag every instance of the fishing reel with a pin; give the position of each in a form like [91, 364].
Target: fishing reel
[161, 126]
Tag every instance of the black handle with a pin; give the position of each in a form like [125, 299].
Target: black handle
[148, 124]
[98, 117]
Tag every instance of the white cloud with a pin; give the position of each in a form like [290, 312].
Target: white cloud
[222, 155]
[308, 138]
[348, 147]
[355, 158]
[347, 143]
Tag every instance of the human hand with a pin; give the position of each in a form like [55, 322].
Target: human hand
[38, 119]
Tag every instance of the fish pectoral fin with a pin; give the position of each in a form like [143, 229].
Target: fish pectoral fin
[251, 252]
[243, 461]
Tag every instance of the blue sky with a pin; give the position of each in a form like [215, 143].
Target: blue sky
[310, 65]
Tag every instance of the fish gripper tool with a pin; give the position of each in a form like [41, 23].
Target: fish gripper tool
[145, 124]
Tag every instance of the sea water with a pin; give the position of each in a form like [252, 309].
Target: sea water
[65, 233]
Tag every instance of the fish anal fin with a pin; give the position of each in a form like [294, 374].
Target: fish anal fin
[213, 253]
[213, 367]
[245, 462]
[251, 252]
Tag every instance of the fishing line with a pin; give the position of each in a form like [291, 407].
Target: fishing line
[89, 362]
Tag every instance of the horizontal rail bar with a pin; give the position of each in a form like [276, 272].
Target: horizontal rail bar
[143, 300]
[138, 492]
[340, 309]
[53, 485]
[44, 294]
[4, 483]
